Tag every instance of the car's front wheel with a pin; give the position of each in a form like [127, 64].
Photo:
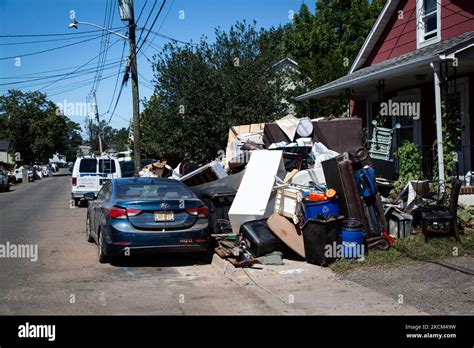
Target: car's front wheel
[89, 237]
[103, 258]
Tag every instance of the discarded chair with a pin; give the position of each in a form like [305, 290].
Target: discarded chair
[430, 217]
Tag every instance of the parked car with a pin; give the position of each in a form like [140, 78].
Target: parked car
[146, 215]
[11, 177]
[18, 172]
[90, 173]
[4, 184]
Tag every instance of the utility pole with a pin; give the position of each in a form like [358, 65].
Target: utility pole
[136, 100]
[96, 111]
[126, 15]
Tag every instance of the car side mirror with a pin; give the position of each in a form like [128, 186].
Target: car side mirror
[89, 196]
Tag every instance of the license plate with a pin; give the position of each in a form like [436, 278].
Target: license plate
[162, 216]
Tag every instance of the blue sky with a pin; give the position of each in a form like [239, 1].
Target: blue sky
[24, 17]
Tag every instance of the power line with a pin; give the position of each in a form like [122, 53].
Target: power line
[170, 38]
[162, 23]
[59, 34]
[151, 27]
[146, 57]
[145, 81]
[147, 19]
[79, 36]
[140, 15]
[50, 84]
[116, 103]
[78, 73]
[34, 85]
[80, 84]
[48, 71]
[134, 54]
[48, 50]
[118, 76]
[108, 19]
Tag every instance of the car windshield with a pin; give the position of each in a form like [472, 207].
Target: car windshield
[88, 165]
[154, 190]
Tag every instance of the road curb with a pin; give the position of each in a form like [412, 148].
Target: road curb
[228, 269]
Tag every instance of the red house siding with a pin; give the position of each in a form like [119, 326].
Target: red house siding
[457, 17]
[399, 36]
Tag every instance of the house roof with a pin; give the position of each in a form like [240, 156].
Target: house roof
[374, 34]
[287, 62]
[387, 68]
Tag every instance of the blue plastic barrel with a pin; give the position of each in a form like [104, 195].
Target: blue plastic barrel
[352, 235]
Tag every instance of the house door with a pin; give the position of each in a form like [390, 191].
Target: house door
[410, 124]
[461, 98]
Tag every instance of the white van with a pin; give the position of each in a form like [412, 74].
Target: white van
[90, 173]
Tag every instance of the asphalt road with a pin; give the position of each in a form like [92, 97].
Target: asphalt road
[68, 279]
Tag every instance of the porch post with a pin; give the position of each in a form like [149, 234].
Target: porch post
[439, 125]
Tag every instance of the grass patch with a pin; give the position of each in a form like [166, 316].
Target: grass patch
[412, 249]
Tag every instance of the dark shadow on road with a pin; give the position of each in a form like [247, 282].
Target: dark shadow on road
[61, 174]
[163, 260]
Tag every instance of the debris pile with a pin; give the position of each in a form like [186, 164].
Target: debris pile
[308, 186]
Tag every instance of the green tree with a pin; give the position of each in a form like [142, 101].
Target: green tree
[110, 136]
[202, 90]
[120, 139]
[33, 125]
[74, 139]
[326, 43]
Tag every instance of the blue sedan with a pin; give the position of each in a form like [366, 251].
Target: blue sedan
[145, 215]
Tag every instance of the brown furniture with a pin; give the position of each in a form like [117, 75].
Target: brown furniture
[338, 134]
[444, 216]
[339, 173]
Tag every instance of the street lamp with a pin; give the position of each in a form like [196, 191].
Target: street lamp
[74, 23]
[126, 14]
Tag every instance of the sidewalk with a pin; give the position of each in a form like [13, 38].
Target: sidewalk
[299, 288]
